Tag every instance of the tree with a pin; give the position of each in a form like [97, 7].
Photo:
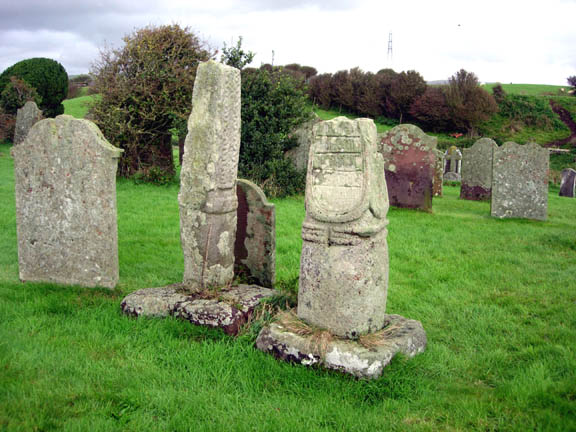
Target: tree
[146, 91]
[235, 56]
[405, 88]
[572, 83]
[47, 76]
[273, 105]
[469, 103]
[320, 90]
[432, 111]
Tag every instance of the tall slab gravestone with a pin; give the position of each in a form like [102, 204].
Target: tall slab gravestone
[207, 197]
[568, 184]
[438, 173]
[409, 163]
[208, 217]
[26, 117]
[65, 175]
[344, 261]
[520, 181]
[477, 170]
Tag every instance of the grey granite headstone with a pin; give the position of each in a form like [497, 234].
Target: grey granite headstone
[207, 197]
[477, 170]
[344, 248]
[65, 175]
[438, 173]
[520, 181]
[255, 247]
[568, 184]
[26, 117]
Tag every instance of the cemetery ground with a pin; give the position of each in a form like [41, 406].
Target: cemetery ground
[497, 299]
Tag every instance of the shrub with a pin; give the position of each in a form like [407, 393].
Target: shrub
[273, 105]
[235, 56]
[16, 94]
[47, 76]
[405, 88]
[146, 91]
[7, 125]
[432, 111]
[320, 90]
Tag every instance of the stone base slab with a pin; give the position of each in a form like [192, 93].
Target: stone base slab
[400, 335]
[228, 308]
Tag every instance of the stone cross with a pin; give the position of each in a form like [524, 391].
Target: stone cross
[477, 170]
[207, 197]
[26, 117]
[344, 262]
[520, 181]
[453, 158]
[568, 184]
[65, 176]
[409, 166]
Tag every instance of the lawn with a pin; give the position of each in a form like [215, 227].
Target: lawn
[496, 297]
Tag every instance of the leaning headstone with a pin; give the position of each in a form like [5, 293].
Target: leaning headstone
[438, 173]
[255, 247]
[520, 181]
[568, 184]
[344, 262]
[207, 197]
[26, 117]
[65, 174]
[409, 166]
[452, 167]
[477, 170]
[208, 217]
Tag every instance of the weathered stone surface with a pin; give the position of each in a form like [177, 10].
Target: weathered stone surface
[438, 173]
[207, 195]
[452, 176]
[304, 136]
[344, 261]
[568, 184]
[255, 247]
[400, 335]
[228, 308]
[409, 166]
[26, 117]
[453, 160]
[520, 181]
[477, 170]
[65, 175]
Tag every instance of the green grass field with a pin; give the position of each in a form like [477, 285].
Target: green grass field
[531, 89]
[78, 107]
[497, 298]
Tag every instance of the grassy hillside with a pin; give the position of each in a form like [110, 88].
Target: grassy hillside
[531, 89]
[78, 107]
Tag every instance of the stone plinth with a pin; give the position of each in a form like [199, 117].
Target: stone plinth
[228, 308]
[255, 247]
[363, 358]
[65, 177]
[477, 170]
[568, 184]
[409, 166]
[207, 197]
[520, 181]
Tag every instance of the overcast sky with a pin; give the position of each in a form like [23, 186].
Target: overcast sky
[506, 41]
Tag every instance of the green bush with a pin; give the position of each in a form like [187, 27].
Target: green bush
[47, 76]
[530, 111]
[16, 94]
[273, 105]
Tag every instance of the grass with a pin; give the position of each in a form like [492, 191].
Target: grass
[496, 297]
[530, 89]
[78, 107]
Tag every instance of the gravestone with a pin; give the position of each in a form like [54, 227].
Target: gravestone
[208, 201]
[255, 245]
[452, 167]
[26, 117]
[520, 181]
[568, 184]
[207, 197]
[438, 173]
[303, 135]
[409, 166]
[477, 170]
[65, 175]
[344, 261]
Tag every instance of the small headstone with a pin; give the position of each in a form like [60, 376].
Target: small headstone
[409, 165]
[207, 197]
[65, 175]
[568, 184]
[477, 170]
[520, 181]
[26, 117]
[438, 173]
[452, 167]
[255, 247]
